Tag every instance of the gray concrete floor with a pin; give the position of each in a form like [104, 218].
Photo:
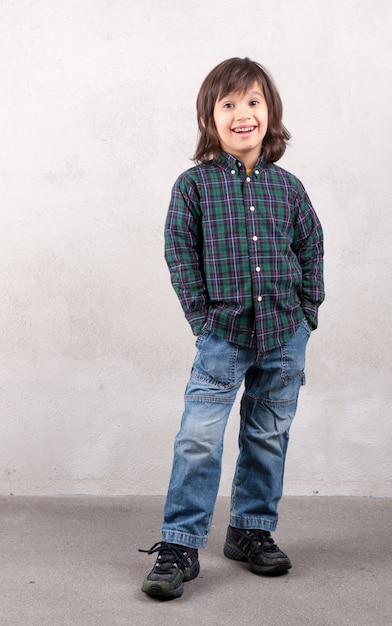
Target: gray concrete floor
[75, 561]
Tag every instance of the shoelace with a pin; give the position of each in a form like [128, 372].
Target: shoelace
[262, 540]
[169, 555]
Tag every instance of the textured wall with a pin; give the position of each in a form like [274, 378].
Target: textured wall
[97, 120]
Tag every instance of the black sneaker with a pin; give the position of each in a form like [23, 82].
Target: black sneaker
[175, 564]
[258, 548]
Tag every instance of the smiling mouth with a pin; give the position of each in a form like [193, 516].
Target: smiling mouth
[245, 129]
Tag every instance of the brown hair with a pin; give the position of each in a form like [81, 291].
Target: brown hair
[238, 75]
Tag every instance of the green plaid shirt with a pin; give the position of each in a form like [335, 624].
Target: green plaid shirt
[245, 252]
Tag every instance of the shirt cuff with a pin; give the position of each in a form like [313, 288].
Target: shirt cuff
[197, 321]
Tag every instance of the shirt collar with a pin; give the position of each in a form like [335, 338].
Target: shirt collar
[229, 162]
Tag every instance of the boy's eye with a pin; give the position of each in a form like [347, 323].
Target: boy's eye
[230, 105]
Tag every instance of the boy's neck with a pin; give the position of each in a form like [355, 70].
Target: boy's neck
[249, 165]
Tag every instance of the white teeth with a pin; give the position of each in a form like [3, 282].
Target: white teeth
[244, 130]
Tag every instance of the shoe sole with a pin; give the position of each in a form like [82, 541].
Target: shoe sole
[232, 552]
[157, 590]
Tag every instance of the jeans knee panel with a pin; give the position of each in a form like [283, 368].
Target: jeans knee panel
[269, 402]
[212, 399]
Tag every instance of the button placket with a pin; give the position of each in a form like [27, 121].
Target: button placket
[255, 238]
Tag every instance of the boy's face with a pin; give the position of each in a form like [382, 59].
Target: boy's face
[241, 120]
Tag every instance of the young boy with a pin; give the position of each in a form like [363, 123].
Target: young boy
[244, 248]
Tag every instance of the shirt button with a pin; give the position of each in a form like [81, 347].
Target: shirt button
[260, 298]
[258, 269]
[257, 172]
[252, 208]
[247, 179]
[232, 172]
[254, 238]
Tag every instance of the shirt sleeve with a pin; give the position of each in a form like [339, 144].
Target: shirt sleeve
[308, 246]
[183, 252]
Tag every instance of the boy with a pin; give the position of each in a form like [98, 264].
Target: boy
[244, 248]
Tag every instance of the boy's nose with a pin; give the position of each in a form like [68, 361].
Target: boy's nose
[242, 114]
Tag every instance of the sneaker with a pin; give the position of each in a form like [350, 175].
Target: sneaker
[258, 548]
[175, 564]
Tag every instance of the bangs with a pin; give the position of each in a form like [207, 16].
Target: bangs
[239, 82]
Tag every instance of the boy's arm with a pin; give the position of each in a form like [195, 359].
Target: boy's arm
[183, 253]
[309, 248]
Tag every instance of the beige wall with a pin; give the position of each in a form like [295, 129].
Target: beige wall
[97, 120]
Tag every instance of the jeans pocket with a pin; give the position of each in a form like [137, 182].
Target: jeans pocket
[306, 324]
[201, 336]
[216, 361]
[294, 353]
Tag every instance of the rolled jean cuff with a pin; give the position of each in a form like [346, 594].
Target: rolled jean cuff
[184, 539]
[253, 523]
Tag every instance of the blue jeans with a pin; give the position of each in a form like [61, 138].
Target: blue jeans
[268, 405]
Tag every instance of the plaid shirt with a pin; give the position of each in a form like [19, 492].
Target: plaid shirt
[245, 252]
